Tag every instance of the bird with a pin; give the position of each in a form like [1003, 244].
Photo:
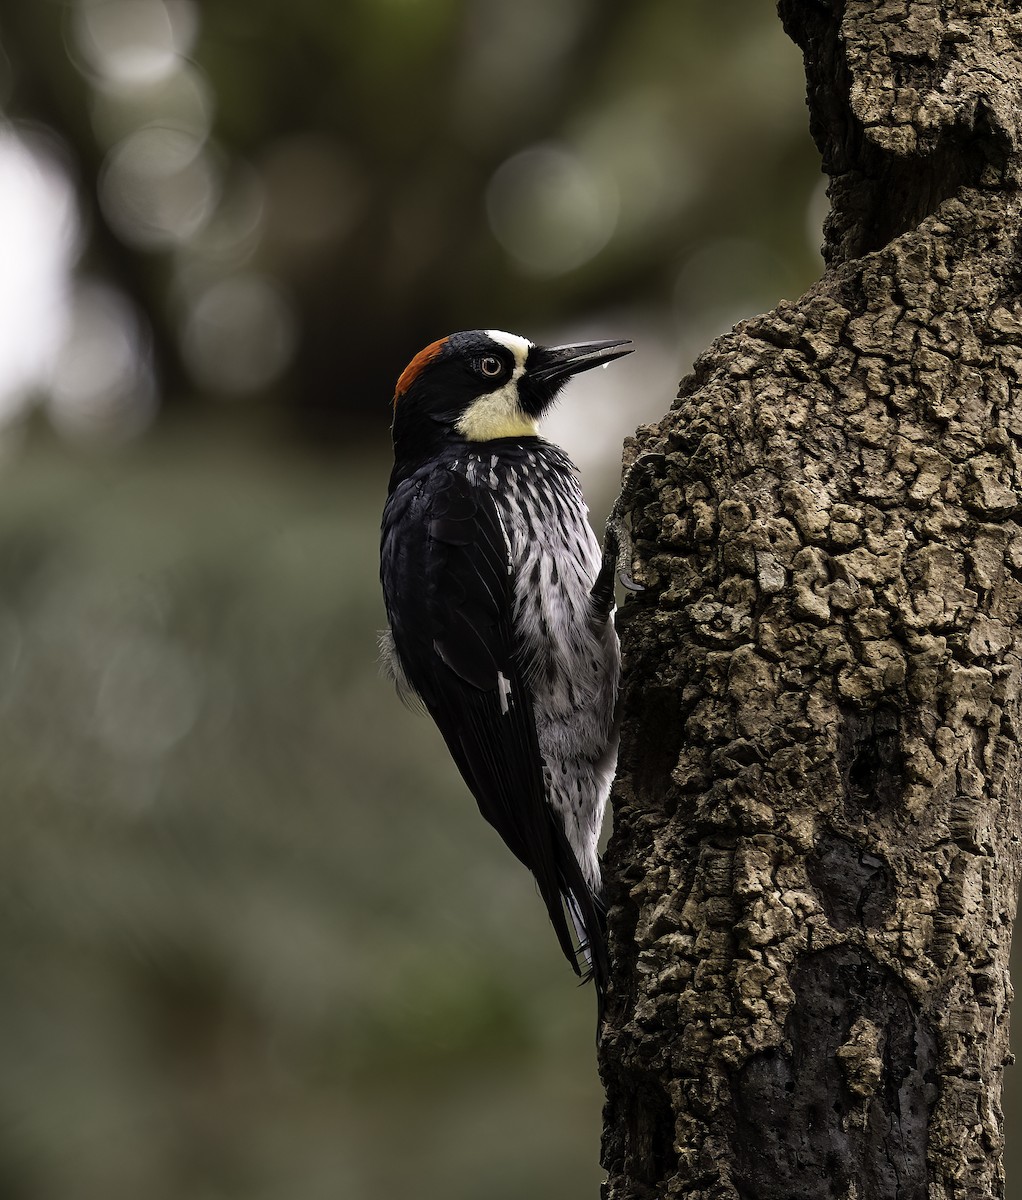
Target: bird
[500, 609]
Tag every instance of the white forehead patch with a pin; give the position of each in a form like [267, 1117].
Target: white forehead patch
[518, 346]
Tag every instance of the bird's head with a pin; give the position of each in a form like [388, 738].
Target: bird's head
[480, 385]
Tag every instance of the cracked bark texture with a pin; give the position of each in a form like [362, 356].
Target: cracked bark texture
[815, 860]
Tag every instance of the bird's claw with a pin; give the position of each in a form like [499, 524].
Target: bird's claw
[618, 549]
[617, 544]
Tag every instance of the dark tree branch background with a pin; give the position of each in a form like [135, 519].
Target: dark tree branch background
[816, 847]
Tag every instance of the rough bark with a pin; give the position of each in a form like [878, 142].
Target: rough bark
[815, 860]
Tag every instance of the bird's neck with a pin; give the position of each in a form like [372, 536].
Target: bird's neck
[419, 438]
[415, 448]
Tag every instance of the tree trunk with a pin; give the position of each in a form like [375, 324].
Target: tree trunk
[815, 859]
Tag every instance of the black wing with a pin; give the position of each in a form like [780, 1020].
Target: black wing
[447, 583]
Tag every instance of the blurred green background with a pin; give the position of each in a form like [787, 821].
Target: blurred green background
[256, 940]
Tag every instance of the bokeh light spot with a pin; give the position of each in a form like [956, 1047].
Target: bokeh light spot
[551, 210]
[640, 141]
[239, 335]
[135, 41]
[234, 230]
[182, 100]
[159, 187]
[39, 232]
[102, 386]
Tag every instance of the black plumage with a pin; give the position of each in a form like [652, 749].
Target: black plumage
[445, 573]
[487, 565]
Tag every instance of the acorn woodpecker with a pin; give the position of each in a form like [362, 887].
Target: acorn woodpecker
[500, 606]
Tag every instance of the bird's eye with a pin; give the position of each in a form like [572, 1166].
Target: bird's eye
[491, 366]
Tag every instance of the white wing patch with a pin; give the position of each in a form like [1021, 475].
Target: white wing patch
[507, 543]
[504, 688]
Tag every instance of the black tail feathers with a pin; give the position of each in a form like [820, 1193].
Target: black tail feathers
[589, 916]
[569, 894]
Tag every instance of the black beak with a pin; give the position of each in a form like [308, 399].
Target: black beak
[551, 366]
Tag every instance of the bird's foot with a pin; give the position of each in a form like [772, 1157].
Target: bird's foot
[618, 547]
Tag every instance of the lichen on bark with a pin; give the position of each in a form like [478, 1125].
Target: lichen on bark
[815, 859]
